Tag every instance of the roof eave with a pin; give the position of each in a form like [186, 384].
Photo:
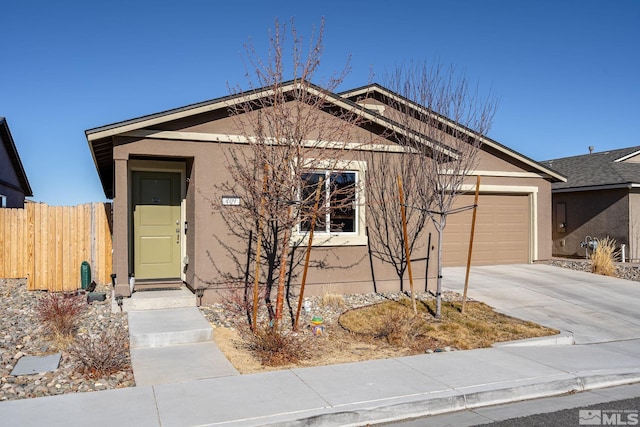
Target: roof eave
[15, 157]
[617, 186]
[103, 133]
[553, 175]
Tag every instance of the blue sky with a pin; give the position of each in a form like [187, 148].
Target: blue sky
[566, 73]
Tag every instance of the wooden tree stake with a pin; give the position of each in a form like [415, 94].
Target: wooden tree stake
[308, 254]
[473, 229]
[406, 244]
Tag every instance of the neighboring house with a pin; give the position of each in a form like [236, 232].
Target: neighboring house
[14, 185]
[600, 198]
[178, 154]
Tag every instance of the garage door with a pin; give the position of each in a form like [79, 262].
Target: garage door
[502, 233]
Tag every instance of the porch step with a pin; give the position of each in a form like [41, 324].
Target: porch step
[165, 327]
[156, 300]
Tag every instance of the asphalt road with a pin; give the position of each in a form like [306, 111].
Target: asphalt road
[611, 406]
[619, 412]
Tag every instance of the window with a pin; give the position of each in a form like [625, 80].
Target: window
[3, 201]
[343, 211]
[337, 206]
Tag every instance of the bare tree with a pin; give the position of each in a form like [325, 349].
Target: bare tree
[383, 206]
[437, 104]
[289, 134]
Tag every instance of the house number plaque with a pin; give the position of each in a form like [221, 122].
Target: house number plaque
[230, 201]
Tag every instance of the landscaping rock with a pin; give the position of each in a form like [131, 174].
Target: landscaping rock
[23, 335]
[229, 315]
[628, 271]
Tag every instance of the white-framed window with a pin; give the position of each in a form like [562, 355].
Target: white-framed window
[3, 201]
[339, 210]
[342, 222]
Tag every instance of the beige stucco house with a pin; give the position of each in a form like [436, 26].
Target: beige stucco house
[172, 161]
[601, 198]
[14, 185]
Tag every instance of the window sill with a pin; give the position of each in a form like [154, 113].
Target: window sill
[330, 240]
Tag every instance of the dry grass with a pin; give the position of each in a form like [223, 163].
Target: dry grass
[480, 327]
[603, 257]
[60, 342]
[333, 300]
[380, 331]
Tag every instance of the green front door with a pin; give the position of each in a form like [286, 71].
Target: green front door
[156, 225]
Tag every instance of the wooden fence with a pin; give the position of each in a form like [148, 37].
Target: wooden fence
[47, 244]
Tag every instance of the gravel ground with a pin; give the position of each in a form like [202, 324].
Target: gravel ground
[329, 307]
[21, 334]
[629, 271]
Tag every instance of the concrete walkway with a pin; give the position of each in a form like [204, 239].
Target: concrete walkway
[170, 339]
[174, 345]
[379, 390]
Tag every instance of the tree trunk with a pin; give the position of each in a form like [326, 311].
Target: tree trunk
[439, 228]
[283, 271]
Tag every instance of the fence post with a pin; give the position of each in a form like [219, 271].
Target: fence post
[31, 236]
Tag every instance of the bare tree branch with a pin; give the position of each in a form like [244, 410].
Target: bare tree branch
[295, 129]
[437, 103]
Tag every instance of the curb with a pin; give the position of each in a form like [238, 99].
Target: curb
[415, 406]
[563, 338]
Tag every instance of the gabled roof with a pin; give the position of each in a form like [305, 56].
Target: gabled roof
[101, 143]
[594, 171]
[10, 146]
[100, 139]
[384, 93]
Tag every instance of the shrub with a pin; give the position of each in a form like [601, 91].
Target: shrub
[102, 354]
[60, 312]
[275, 347]
[238, 299]
[394, 326]
[603, 257]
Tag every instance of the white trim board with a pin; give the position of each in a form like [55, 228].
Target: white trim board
[241, 139]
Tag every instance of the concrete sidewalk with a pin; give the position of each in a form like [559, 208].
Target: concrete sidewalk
[346, 394]
[607, 354]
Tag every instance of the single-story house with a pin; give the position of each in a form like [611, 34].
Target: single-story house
[176, 157]
[14, 185]
[601, 198]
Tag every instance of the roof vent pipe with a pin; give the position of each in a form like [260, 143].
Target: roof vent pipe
[591, 147]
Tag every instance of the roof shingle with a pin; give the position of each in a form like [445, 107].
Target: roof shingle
[596, 169]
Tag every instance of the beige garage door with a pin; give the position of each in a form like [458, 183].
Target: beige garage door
[502, 231]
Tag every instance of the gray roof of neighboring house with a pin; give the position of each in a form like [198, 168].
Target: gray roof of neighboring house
[603, 169]
[7, 139]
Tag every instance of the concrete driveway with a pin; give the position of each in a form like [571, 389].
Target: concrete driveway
[591, 307]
